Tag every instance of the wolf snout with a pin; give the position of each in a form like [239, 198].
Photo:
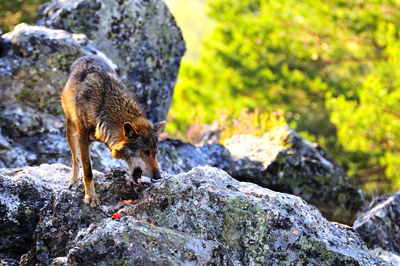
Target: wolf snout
[156, 175]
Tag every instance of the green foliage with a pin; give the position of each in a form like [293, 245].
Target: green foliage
[13, 12]
[371, 124]
[298, 56]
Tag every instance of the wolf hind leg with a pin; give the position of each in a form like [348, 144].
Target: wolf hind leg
[72, 139]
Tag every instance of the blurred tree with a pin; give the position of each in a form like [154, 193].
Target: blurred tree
[292, 55]
[371, 123]
[13, 12]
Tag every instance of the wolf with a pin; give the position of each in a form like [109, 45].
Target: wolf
[99, 108]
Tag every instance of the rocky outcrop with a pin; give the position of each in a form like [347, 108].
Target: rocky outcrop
[141, 37]
[34, 67]
[57, 229]
[200, 217]
[379, 226]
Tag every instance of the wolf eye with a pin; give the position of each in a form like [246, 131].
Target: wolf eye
[147, 152]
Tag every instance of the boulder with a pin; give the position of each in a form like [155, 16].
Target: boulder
[291, 164]
[200, 217]
[35, 63]
[379, 224]
[141, 37]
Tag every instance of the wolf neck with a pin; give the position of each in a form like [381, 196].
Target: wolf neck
[111, 138]
[106, 134]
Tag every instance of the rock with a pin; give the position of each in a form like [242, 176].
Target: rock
[8, 262]
[21, 198]
[60, 261]
[66, 213]
[379, 224]
[35, 63]
[139, 243]
[176, 156]
[389, 257]
[141, 37]
[291, 164]
[200, 217]
[212, 218]
[281, 160]
[294, 166]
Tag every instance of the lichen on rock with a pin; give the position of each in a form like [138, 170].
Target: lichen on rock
[256, 225]
[35, 64]
[200, 217]
[128, 241]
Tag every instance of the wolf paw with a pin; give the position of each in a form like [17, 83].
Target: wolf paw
[92, 200]
[71, 184]
[74, 178]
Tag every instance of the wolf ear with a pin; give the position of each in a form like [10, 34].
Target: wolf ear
[159, 126]
[129, 131]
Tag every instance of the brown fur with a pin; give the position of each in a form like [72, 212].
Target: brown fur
[98, 108]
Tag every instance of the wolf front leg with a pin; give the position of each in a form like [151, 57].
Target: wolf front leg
[90, 193]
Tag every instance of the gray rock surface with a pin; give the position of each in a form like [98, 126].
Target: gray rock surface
[200, 217]
[66, 213]
[35, 63]
[139, 243]
[281, 160]
[140, 36]
[21, 198]
[291, 164]
[176, 156]
[379, 224]
[389, 257]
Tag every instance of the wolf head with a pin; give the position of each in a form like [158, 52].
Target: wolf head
[139, 148]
